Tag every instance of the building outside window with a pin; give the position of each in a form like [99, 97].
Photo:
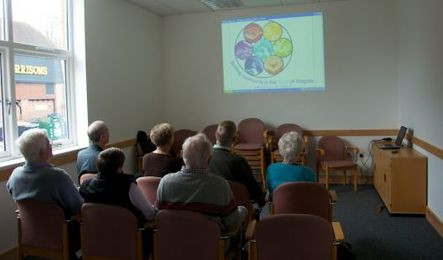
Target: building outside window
[36, 71]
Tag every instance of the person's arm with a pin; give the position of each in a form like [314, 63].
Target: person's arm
[140, 202]
[246, 177]
[69, 195]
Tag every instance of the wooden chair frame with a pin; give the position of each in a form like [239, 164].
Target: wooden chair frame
[353, 151]
[24, 250]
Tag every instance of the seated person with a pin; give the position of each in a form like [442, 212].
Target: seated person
[112, 186]
[161, 161]
[290, 146]
[233, 167]
[39, 180]
[195, 188]
[98, 134]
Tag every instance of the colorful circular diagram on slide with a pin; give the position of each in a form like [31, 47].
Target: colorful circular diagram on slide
[263, 49]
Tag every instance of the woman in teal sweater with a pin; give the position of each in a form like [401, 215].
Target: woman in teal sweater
[290, 146]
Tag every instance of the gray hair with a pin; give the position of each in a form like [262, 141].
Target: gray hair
[31, 143]
[290, 145]
[96, 129]
[196, 151]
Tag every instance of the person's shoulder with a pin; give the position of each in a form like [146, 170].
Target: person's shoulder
[275, 166]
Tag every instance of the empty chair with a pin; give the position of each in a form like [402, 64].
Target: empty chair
[179, 138]
[241, 197]
[332, 155]
[184, 234]
[302, 198]
[281, 130]
[109, 232]
[42, 230]
[292, 236]
[148, 185]
[307, 198]
[252, 138]
[209, 131]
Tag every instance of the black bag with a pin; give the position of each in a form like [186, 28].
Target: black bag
[344, 251]
[144, 142]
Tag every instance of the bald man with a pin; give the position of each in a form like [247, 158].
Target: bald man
[98, 134]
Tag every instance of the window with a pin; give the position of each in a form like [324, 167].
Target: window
[36, 71]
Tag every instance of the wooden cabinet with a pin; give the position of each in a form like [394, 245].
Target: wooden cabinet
[400, 179]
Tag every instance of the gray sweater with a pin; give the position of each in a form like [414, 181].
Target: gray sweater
[46, 183]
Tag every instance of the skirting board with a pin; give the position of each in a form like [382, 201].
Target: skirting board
[435, 221]
[11, 254]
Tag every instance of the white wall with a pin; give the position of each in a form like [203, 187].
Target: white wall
[122, 43]
[420, 63]
[360, 59]
[123, 71]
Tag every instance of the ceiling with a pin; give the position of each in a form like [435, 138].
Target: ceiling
[175, 7]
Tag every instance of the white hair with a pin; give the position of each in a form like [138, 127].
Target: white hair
[31, 143]
[96, 129]
[196, 151]
[290, 145]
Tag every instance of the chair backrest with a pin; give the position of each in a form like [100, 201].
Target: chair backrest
[302, 198]
[251, 130]
[109, 232]
[149, 185]
[41, 224]
[284, 128]
[210, 131]
[86, 176]
[186, 235]
[334, 148]
[179, 138]
[241, 196]
[293, 236]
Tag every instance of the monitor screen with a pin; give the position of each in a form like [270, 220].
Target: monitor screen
[400, 136]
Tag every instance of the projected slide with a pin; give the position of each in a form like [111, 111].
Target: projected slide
[273, 53]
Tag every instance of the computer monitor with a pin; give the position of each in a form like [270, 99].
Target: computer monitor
[401, 134]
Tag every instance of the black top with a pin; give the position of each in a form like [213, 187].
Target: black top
[113, 190]
[235, 168]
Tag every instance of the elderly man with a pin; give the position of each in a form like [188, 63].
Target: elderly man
[194, 188]
[39, 180]
[98, 134]
[233, 167]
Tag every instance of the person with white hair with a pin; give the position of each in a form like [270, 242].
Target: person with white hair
[195, 188]
[39, 180]
[98, 133]
[290, 146]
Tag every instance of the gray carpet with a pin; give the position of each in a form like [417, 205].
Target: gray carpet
[376, 234]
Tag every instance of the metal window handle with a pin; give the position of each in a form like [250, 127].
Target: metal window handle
[17, 103]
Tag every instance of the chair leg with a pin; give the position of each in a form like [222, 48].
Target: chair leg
[262, 169]
[355, 178]
[327, 178]
[344, 177]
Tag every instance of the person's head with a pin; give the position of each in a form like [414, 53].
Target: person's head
[225, 133]
[197, 151]
[290, 146]
[110, 161]
[34, 145]
[162, 135]
[98, 133]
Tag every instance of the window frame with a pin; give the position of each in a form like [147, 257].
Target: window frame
[8, 50]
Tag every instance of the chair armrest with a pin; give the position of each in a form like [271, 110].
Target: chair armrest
[320, 152]
[338, 231]
[352, 151]
[333, 196]
[75, 217]
[249, 234]
[269, 139]
[150, 224]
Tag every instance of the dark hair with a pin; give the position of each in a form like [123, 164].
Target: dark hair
[110, 160]
[225, 132]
